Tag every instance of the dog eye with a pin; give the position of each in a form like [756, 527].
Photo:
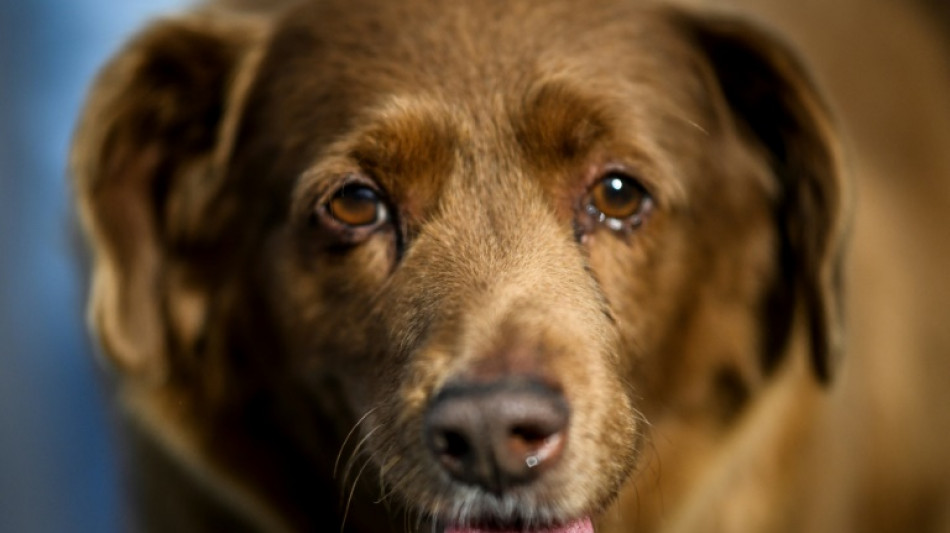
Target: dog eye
[618, 199]
[357, 205]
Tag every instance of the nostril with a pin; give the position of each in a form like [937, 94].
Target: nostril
[525, 441]
[530, 434]
[452, 426]
[535, 442]
[450, 445]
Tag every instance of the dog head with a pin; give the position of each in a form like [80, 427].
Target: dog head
[472, 247]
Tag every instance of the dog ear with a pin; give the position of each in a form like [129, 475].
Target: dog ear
[144, 167]
[776, 106]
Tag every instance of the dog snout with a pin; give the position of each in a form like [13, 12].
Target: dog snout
[497, 435]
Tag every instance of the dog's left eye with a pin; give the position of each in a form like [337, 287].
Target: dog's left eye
[357, 205]
[617, 200]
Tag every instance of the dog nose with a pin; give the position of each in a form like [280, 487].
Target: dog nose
[497, 435]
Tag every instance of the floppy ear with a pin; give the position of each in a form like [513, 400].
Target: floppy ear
[145, 173]
[777, 107]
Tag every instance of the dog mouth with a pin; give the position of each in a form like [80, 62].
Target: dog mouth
[581, 525]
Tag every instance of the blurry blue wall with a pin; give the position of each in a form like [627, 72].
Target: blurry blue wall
[57, 468]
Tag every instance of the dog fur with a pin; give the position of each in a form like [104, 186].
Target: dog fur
[276, 366]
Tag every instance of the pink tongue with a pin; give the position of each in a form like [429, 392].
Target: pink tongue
[583, 525]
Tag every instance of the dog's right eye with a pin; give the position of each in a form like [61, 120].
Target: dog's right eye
[357, 205]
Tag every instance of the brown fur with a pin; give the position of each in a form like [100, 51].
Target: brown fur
[276, 366]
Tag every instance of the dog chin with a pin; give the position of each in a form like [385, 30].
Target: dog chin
[580, 525]
[487, 513]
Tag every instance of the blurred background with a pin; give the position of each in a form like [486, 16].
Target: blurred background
[57, 472]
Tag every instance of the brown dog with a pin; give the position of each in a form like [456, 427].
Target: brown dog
[534, 266]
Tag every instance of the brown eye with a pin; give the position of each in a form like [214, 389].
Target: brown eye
[357, 205]
[617, 198]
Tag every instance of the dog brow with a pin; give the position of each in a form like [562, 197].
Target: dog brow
[556, 121]
[409, 144]
[405, 134]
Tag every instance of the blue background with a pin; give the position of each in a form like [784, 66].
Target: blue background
[58, 472]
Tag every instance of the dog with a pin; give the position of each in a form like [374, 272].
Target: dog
[539, 266]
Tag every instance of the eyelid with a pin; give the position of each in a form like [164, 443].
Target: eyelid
[328, 188]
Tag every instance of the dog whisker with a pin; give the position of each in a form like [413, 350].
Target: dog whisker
[385, 492]
[349, 499]
[355, 455]
[339, 454]
[640, 417]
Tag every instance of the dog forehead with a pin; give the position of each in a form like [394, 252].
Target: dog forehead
[475, 54]
[472, 45]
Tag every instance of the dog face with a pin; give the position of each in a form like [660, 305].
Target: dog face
[476, 250]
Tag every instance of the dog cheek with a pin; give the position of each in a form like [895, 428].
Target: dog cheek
[606, 426]
[324, 302]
